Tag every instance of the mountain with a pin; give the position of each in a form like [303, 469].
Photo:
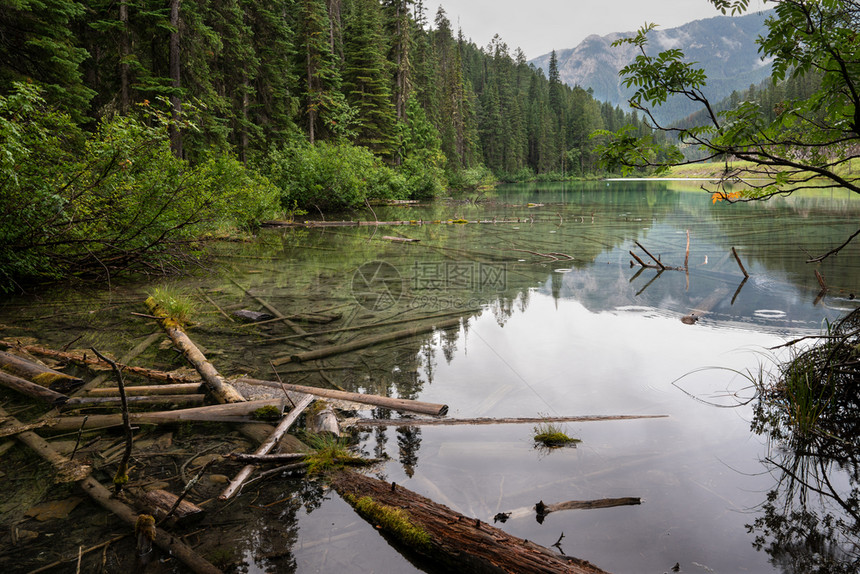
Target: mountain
[724, 46]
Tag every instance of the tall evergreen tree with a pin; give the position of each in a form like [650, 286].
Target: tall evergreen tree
[366, 79]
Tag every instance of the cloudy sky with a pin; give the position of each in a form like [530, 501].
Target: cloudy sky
[540, 26]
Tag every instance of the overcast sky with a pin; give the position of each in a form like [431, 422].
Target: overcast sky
[540, 26]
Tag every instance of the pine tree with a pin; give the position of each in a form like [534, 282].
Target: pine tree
[366, 81]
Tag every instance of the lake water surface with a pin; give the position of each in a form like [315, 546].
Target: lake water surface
[555, 322]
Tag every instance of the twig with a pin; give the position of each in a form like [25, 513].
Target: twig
[648, 253]
[121, 476]
[80, 433]
[741, 265]
[185, 491]
[687, 253]
[214, 304]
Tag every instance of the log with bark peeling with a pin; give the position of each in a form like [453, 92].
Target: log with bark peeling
[220, 388]
[454, 541]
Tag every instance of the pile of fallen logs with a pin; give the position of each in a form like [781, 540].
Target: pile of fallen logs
[451, 538]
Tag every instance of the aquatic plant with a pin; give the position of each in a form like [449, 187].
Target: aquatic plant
[551, 435]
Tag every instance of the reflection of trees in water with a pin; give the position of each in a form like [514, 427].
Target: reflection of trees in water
[811, 415]
[408, 442]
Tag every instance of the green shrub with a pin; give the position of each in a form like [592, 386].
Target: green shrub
[110, 201]
[330, 176]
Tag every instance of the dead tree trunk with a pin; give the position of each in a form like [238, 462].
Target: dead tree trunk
[449, 538]
[221, 389]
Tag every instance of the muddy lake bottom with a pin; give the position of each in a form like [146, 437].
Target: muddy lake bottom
[555, 319]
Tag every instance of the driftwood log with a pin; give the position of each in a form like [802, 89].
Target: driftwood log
[159, 503]
[220, 388]
[542, 509]
[454, 541]
[376, 400]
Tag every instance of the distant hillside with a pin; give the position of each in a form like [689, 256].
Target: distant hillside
[725, 46]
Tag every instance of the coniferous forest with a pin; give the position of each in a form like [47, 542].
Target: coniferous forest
[130, 128]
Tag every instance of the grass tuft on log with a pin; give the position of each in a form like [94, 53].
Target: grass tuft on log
[330, 453]
[175, 306]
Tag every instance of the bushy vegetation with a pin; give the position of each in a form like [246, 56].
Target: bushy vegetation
[108, 201]
[331, 175]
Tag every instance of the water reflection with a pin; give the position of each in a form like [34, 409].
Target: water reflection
[555, 321]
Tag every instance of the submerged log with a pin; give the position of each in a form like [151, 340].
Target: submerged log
[39, 374]
[446, 537]
[366, 342]
[376, 400]
[31, 389]
[220, 388]
[234, 412]
[159, 503]
[268, 445]
[102, 496]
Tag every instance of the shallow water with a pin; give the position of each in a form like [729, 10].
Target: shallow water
[555, 321]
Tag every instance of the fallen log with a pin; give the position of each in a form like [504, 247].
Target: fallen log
[147, 390]
[446, 537]
[86, 360]
[380, 324]
[366, 342]
[370, 423]
[175, 400]
[39, 374]
[31, 389]
[220, 388]
[400, 239]
[543, 509]
[376, 400]
[233, 412]
[159, 503]
[264, 448]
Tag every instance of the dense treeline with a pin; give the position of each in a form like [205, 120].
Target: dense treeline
[130, 128]
[264, 75]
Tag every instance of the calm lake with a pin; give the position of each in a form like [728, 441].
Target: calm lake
[555, 321]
